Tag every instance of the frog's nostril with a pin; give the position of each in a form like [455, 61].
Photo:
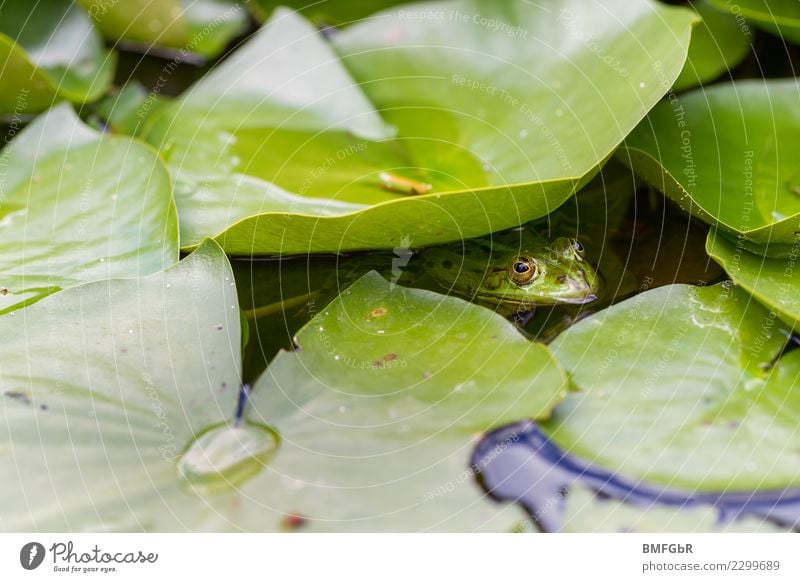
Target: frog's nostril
[578, 284]
[561, 278]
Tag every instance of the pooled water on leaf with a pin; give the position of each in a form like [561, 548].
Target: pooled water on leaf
[223, 457]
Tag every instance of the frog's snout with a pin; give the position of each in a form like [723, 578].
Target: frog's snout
[580, 288]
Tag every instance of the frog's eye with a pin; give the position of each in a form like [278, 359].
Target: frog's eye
[523, 270]
[576, 246]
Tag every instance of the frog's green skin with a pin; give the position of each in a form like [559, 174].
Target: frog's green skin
[482, 270]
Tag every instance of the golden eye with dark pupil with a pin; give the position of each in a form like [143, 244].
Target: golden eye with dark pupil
[522, 271]
[577, 246]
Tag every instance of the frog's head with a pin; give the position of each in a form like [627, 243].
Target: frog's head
[532, 271]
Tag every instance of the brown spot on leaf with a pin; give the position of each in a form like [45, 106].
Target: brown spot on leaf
[293, 522]
[378, 312]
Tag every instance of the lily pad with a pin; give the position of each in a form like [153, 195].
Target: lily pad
[202, 27]
[286, 148]
[50, 51]
[99, 402]
[677, 387]
[325, 12]
[585, 513]
[339, 436]
[719, 43]
[781, 17]
[775, 282]
[379, 407]
[78, 206]
[730, 164]
[122, 110]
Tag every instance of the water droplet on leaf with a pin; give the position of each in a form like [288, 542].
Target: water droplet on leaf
[224, 456]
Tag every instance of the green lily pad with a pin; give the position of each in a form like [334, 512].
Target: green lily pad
[380, 405]
[78, 206]
[325, 12]
[202, 27]
[122, 109]
[103, 387]
[281, 149]
[676, 387]
[775, 282]
[586, 514]
[729, 164]
[719, 43]
[50, 51]
[127, 414]
[781, 17]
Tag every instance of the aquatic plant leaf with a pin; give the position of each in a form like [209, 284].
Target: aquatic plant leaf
[79, 206]
[128, 421]
[50, 52]
[730, 165]
[775, 282]
[202, 27]
[781, 17]
[587, 514]
[324, 13]
[564, 492]
[718, 44]
[103, 386]
[380, 406]
[296, 144]
[677, 387]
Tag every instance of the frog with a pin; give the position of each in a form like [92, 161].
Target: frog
[511, 272]
[515, 271]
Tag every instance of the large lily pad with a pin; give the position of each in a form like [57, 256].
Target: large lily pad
[781, 17]
[325, 12]
[370, 436]
[78, 206]
[719, 43]
[585, 513]
[775, 282]
[726, 154]
[50, 51]
[380, 406]
[676, 387]
[281, 148]
[202, 27]
[103, 386]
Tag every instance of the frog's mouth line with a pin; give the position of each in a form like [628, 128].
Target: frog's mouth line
[538, 301]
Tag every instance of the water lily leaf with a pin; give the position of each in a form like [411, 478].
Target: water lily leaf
[286, 148]
[378, 438]
[78, 206]
[775, 282]
[730, 165]
[202, 27]
[380, 406]
[719, 43]
[325, 12]
[585, 513]
[119, 382]
[781, 17]
[50, 51]
[676, 387]
[122, 110]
